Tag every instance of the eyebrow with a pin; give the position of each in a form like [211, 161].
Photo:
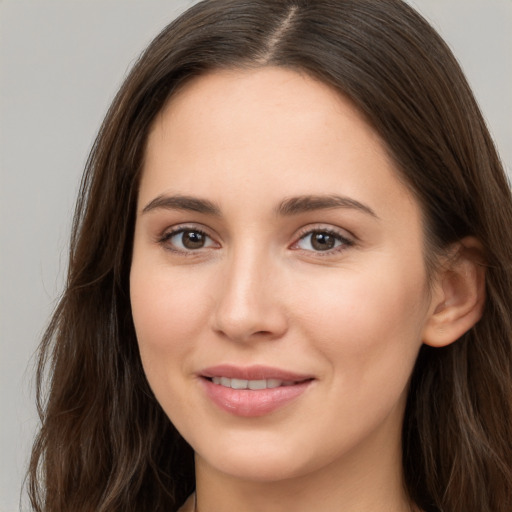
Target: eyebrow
[186, 203]
[288, 207]
[302, 204]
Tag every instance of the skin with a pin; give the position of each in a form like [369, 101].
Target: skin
[258, 292]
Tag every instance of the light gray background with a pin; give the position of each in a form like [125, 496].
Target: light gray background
[61, 62]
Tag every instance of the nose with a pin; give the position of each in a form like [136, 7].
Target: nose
[249, 303]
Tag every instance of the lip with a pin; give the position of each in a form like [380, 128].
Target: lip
[254, 372]
[253, 403]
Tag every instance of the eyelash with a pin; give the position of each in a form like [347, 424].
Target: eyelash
[344, 242]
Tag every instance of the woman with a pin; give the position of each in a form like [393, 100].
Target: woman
[290, 279]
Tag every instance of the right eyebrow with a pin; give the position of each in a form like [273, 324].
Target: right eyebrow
[179, 202]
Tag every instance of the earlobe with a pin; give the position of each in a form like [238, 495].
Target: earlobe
[458, 297]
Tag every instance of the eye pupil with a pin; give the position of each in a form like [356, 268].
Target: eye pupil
[193, 239]
[322, 241]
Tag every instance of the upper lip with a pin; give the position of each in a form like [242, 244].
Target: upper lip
[253, 372]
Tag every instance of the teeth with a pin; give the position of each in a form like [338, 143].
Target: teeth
[257, 384]
[239, 383]
[251, 384]
[273, 383]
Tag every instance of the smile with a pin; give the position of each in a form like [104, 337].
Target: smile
[252, 391]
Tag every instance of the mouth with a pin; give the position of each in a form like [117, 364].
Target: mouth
[252, 391]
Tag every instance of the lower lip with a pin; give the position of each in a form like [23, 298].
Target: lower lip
[251, 403]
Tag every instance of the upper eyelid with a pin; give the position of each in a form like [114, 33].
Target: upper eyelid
[312, 228]
[179, 228]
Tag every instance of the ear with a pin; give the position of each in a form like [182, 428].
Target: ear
[458, 296]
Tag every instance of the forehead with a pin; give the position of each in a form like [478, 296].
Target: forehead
[251, 99]
[266, 132]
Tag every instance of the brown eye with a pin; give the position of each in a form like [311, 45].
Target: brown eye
[322, 241]
[193, 239]
[186, 240]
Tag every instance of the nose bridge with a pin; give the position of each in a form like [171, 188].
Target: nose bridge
[247, 303]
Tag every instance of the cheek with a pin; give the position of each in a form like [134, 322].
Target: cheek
[368, 324]
[168, 312]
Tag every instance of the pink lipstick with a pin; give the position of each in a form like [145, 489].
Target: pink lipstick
[252, 391]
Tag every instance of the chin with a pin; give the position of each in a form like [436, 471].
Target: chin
[268, 463]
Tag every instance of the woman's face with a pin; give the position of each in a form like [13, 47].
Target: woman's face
[276, 250]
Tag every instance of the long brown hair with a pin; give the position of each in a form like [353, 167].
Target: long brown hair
[105, 444]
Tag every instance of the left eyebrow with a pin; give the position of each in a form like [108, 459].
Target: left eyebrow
[302, 204]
